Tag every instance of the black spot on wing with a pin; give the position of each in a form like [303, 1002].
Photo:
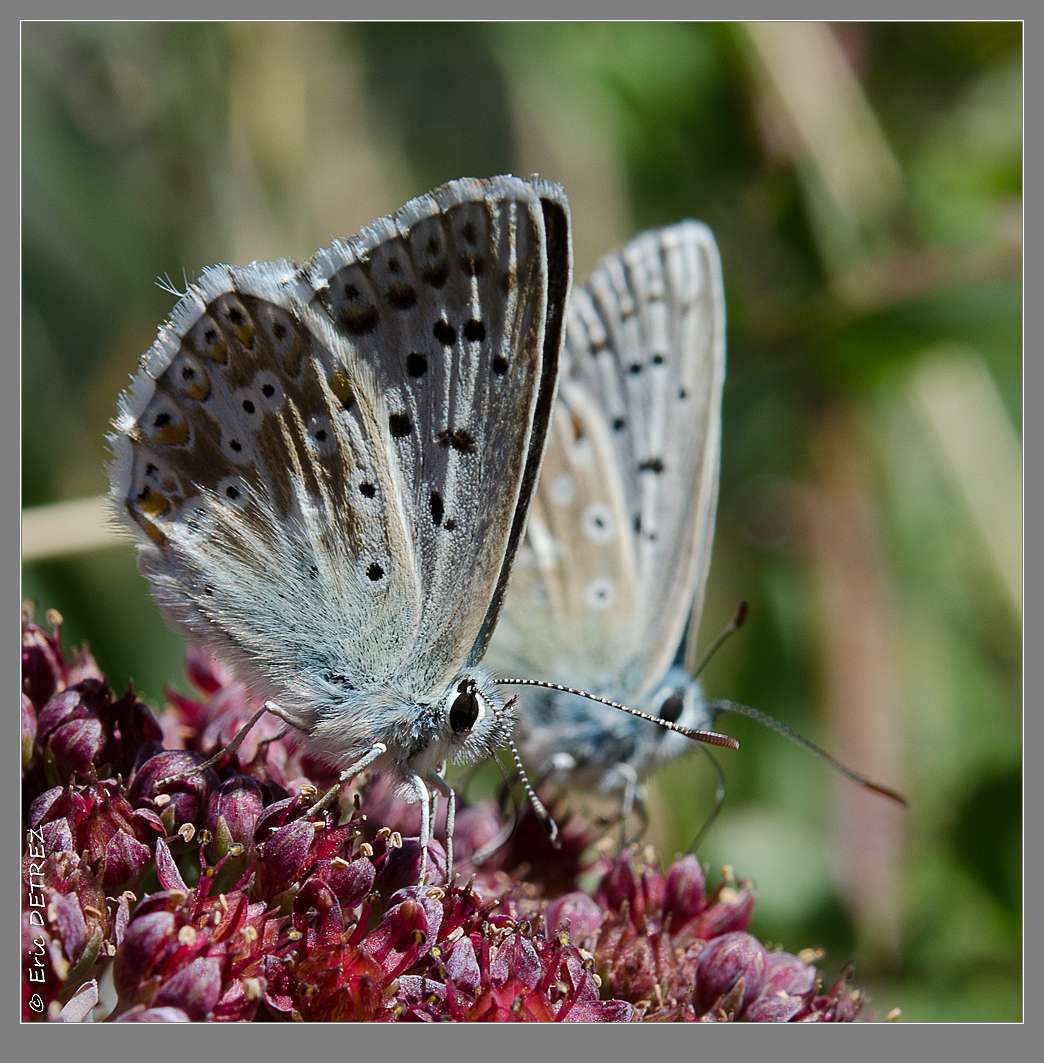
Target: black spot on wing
[444, 332]
[457, 438]
[400, 424]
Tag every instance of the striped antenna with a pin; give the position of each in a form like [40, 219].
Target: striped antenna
[539, 807]
[711, 738]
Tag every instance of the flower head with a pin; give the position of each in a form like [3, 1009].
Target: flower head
[218, 897]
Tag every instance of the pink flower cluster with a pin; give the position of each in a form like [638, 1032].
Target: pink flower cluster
[217, 900]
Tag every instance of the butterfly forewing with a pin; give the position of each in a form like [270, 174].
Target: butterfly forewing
[329, 464]
[646, 336]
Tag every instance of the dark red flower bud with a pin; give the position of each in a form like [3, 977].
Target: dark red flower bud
[71, 730]
[785, 973]
[240, 1000]
[838, 1004]
[195, 989]
[76, 746]
[67, 917]
[730, 974]
[686, 890]
[58, 837]
[404, 934]
[284, 856]
[619, 885]
[43, 665]
[730, 909]
[184, 801]
[132, 729]
[76, 703]
[232, 813]
[638, 891]
[517, 960]
[583, 1003]
[775, 1007]
[576, 913]
[317, 914]
[277, 814]
[28, 730]
[147, 942]
[462, 968]
[41, 808]
[124, 861]
[351, 881]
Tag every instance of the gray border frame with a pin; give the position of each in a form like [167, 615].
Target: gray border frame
[968, 1041]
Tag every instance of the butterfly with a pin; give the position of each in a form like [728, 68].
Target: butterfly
[328, 467]
[614, 563]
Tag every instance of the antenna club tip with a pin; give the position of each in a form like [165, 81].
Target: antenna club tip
[887, 791]
[742, 611]
[711, 738]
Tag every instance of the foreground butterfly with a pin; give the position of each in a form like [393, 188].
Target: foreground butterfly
[617, 549]
[328, 468]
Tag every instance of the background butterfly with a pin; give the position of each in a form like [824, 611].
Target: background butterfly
[328, 468]
[618, 544]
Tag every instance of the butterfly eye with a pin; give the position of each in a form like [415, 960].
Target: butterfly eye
[672, 707]
[465, 710]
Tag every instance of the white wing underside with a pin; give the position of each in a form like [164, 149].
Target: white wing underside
[326, 466]
[635, 440]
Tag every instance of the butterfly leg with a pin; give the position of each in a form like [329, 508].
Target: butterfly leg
[349, 773]
[627, 801]
[231, 747]
[425, 825]
[438, 780]
[641, 813]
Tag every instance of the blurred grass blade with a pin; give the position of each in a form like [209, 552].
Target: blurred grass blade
[822, 97]
[72, 527]
[958, 400]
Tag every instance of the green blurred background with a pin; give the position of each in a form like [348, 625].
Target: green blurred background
[864, 184]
